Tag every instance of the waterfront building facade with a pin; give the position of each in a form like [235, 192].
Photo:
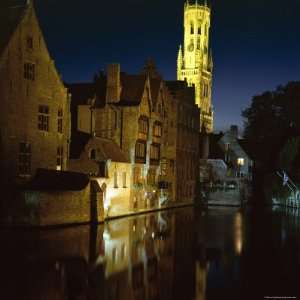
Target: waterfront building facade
[131, 110]
[187, 140]
[35, 112]
[194, 62]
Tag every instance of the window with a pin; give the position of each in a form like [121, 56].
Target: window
[29, 71]
[240, 161]
[60, 121]
[199, 30]
[155, 152]
[164, 166]
[151, 176]
[29, 42]
[102, 169]
[59, 158]
[43, 118]
[124, 179]
[123, 252]
[198, 43]
[137, 175]
[140, 150]
[143, 125]
[157, 130]
[192, 29]
[115, 180]
[24, 159]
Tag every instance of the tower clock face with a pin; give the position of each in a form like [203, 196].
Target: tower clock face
[191, 47]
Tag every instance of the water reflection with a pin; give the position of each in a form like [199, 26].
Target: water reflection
[180, 254]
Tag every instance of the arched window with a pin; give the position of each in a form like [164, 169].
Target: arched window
[192, 28]
[199, 29]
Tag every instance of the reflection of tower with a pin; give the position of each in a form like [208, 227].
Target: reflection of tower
[194, 62]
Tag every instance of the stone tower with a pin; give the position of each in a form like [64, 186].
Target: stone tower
[194, 62]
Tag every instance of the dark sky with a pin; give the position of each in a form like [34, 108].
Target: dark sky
[256, 43]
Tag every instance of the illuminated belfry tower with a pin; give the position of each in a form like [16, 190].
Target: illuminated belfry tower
[194, 62]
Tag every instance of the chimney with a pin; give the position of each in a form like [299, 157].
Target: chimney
[234, 131]
[113, 90]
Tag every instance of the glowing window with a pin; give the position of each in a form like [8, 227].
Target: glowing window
[240, 161]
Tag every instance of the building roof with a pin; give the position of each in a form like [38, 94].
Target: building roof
[215, 151]
[52, 180]
[131, 93]
[155, 87]
[81, 92]
[11, 13]
[78, 143]
[106, 149]
[110, 150]
[244, 145]
[132, 89]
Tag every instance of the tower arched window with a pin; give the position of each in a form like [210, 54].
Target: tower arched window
[192, 28]
[199, 30]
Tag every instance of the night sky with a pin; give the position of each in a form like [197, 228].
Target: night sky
[256, 43]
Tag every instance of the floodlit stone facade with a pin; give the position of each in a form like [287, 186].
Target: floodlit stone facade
[35, 113]
[194, 62]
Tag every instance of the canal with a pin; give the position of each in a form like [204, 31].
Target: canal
[186, 254]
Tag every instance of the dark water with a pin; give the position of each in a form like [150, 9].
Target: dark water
[181, 254]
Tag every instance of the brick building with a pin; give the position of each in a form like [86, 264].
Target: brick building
[187, 140]
[131, 111]
[35, 113]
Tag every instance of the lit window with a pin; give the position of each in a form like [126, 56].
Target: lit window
[116, 180]
[29, 71]
[155, 152]
[151, 177]
[124, 179]
[60, 121]
[198, 43]
[240, 161]
[43, 118]
[157, 130]
[137, 175]
[143, 125]
[59, 158]
[24, 159]
[140, 150]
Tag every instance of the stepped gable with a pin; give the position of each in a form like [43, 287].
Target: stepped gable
[11, 14]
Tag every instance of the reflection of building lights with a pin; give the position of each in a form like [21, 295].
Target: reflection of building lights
[133, 228]
[154, 191]
[145, 230]
[153, 235]
[238, 233]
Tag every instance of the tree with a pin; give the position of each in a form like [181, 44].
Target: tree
[271, 119]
